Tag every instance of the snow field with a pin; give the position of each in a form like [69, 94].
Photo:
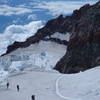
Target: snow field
[53, 86]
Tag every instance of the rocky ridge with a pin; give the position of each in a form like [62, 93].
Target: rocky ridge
[83, 50]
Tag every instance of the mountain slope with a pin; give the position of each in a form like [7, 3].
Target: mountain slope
[53, 86]
[83, 46]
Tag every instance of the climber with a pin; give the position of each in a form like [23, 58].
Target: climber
[33, 97]
[7, 85]
[18, 88]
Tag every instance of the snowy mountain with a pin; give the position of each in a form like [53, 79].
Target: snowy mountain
[69, 43]
[57, 30]
[81, 32]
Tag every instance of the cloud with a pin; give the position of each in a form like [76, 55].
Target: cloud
[18, 33]
[7, 10]
[56, 8]
[32, 17]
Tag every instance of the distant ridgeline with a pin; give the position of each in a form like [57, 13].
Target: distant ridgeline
[83, 51]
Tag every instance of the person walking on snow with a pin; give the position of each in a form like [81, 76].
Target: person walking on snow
[7, 85]
[33, 97]
[18, 88]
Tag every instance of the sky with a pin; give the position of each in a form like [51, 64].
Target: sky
[22, 12]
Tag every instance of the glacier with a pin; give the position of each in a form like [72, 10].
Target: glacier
[38, 56]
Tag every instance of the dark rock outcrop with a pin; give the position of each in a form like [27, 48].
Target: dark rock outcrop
[83, 51]
[64, 42]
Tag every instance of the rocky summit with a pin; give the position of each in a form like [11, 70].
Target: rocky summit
[83, 48]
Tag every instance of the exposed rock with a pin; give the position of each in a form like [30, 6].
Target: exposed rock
[64, 42]
[84, 46]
